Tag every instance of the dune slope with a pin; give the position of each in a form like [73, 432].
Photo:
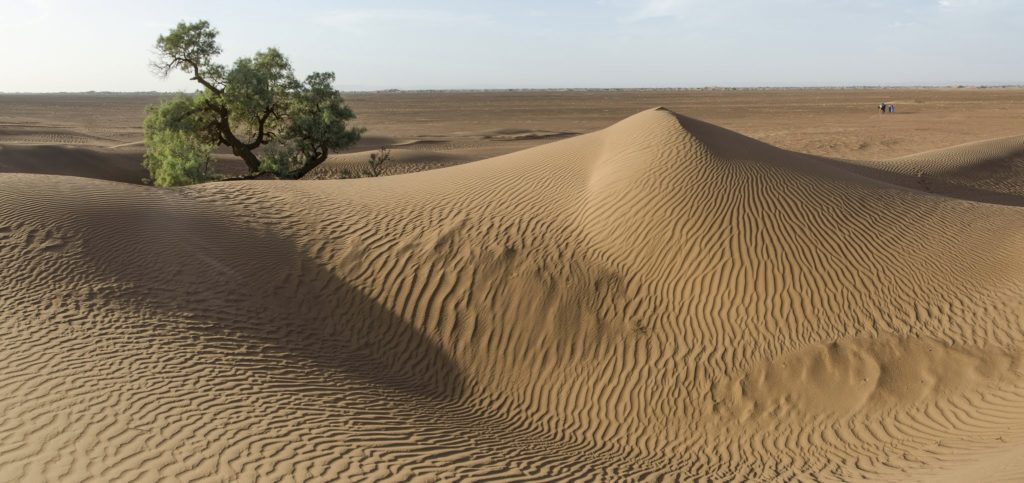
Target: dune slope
[88, 162]
[660, 299]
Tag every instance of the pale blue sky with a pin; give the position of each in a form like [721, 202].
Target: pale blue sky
[66, 45]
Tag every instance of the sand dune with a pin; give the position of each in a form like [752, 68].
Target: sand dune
[403, 160]
[663, 298]
[99, 163]
[995, 166]
[437, 129]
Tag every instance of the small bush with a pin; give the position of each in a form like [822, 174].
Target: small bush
[378, 161]
[377, 166]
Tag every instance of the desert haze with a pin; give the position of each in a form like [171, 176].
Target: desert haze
[547, 286]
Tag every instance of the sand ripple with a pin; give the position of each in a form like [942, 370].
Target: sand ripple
[660, 300]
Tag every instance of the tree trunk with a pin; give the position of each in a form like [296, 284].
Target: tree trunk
[238, 148]
[311, 163]
[251, 161]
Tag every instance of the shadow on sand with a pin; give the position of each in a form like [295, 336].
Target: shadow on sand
[250, 292]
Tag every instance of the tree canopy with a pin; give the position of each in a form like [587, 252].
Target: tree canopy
[274, 122]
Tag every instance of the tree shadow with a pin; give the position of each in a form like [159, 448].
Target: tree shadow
[250, 292]
[85, 162]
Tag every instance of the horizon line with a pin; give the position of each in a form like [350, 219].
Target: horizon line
[581, 89]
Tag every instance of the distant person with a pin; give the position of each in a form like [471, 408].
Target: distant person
[892, 108]
[881, 107]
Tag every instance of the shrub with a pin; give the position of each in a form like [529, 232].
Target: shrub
[271, 120]
[378, 161]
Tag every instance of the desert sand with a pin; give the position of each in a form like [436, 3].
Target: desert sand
[663, 298]
[100, 135]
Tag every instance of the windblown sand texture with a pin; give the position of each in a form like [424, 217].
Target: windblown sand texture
[661, 299]
[98, 135]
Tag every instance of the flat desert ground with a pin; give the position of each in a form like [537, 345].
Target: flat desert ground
[548, 286]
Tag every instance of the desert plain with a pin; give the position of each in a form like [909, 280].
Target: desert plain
[608, 285]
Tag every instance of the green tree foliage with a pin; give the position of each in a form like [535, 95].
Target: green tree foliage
[257, 107]
[175, 154]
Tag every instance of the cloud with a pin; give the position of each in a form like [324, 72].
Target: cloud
[900, 24]
[384, 18]
[984, 5]
[28, 11]
[958, 3]
[659, 9]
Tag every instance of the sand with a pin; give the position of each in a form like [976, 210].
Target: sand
[428, 130]
[661, 299]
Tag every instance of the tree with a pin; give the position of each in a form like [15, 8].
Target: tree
[257, 107]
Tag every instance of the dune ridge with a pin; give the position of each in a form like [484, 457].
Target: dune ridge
[660, 299]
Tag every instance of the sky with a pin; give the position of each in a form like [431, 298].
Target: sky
[84, 45]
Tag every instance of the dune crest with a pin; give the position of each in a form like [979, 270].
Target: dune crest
[662, 298]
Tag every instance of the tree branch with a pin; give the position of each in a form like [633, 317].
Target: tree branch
[262, 122]
[196, 75]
